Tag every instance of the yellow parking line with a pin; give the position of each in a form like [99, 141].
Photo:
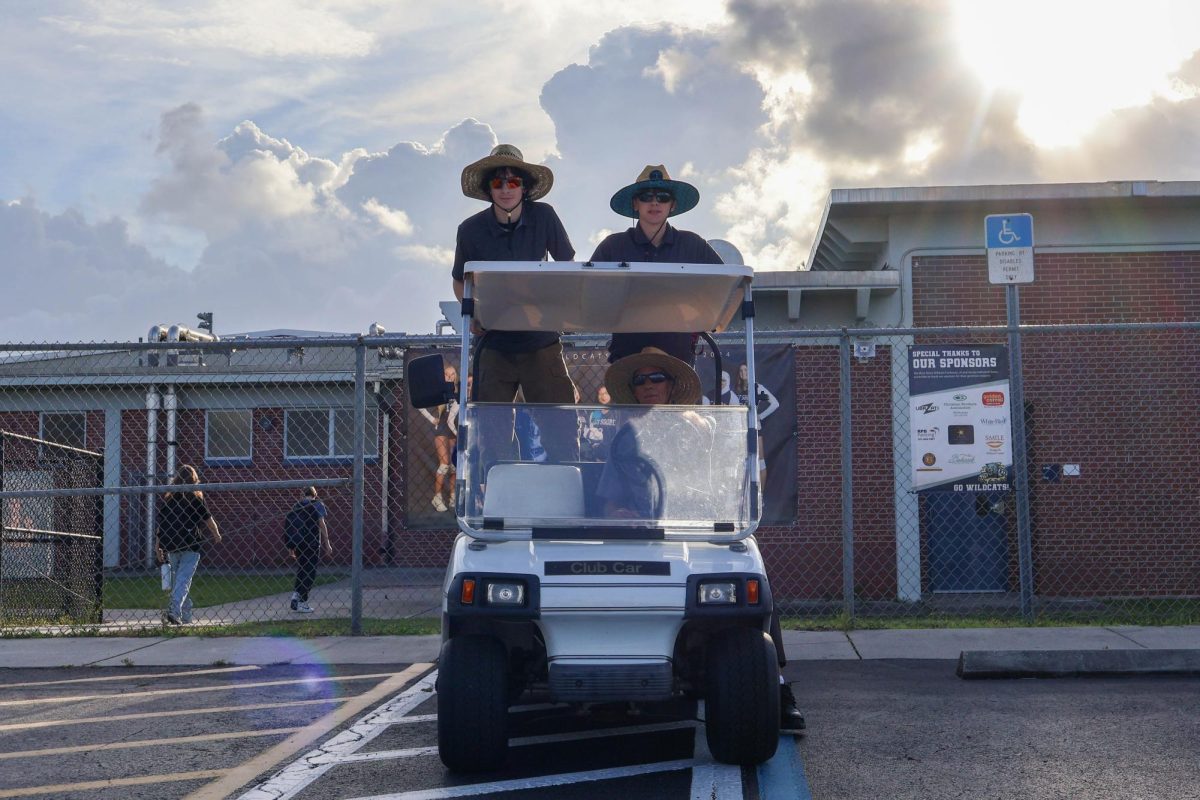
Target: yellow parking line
[135, 676]
[90, 748]
[50, 723]
[192, 689]
[112, 783]
[246, 772]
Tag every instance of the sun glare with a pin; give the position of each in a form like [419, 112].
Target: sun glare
[1073, 62]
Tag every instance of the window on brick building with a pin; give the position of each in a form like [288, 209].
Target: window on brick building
[64, 428]
[229, 435]
[327, 433]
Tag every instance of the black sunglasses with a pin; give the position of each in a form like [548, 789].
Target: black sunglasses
[652, 377]
[651, 197]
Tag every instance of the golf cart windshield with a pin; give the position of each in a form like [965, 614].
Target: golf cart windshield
[630, 469]
[606, 471]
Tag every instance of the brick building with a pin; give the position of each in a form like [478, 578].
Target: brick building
[1118, 405]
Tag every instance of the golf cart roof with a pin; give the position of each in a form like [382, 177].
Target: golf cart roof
[575, 297]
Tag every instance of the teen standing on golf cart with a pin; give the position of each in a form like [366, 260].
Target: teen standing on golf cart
[652, 377]
[514, 228]
[651, 200]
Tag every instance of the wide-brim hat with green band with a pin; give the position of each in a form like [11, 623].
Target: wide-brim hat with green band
[654, 176]
[504, 155]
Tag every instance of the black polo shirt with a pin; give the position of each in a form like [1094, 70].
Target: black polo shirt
[677, 247]
[537, 233]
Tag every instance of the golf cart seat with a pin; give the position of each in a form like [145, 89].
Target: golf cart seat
[534, 490]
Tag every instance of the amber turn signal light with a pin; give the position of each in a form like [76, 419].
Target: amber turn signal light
[752, 592]
[468, 591]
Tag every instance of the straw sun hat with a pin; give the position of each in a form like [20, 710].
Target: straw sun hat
[504, 155]
[686, 391]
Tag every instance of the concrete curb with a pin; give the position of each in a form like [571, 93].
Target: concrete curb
[974, 664]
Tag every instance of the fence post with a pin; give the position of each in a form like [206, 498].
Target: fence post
[358, 485]
[1020, 456]
[847, 480]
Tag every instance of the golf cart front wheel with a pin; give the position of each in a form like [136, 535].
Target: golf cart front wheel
[472, 697]
[742, 698]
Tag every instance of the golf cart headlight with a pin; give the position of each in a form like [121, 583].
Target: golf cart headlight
[506, 593]
[715, 594]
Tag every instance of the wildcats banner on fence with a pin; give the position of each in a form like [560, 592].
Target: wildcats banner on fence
[961, 431]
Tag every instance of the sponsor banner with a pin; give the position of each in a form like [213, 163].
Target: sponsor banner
[775, 397]
[959, 417]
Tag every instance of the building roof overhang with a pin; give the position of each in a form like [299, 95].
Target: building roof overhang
[853, 232]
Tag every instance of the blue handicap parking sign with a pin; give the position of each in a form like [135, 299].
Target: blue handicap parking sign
[1008, 230]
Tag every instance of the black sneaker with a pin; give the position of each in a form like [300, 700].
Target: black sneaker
[295, 603]
[790, 718]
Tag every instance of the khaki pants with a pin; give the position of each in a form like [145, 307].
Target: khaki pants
[542, 378]
[541, 375]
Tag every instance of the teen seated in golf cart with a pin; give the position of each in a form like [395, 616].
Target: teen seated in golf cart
[634, 579]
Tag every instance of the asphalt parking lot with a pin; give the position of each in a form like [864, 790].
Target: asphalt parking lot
[883, 728]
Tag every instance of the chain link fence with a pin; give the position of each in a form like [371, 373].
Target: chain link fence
[875, 509]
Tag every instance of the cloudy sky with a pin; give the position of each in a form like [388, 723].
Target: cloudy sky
[295, 164]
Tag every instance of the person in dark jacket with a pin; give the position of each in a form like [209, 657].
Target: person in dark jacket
[308, 538]
[182, 514]
[651, 200]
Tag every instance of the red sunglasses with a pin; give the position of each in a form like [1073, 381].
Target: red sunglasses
[512, 181]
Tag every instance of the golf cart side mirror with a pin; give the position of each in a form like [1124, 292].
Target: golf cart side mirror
[426, 381]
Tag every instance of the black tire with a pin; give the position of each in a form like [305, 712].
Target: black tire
[472, 710]
[742, 697]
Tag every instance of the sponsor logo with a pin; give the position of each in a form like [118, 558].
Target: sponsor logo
[927, 434]
[994, 441]
[993, 472]
[929, 459]
[962, 458]
[927, 408]
[993, 420]
[993, 398]
[960, 434]
[960, 398]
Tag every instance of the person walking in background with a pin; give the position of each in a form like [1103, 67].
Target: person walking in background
[178, 540]
[306, 537]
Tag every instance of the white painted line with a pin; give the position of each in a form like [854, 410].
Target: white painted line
[90, 748]
[133, 676]
[193, 689]
[416, 752]
[542, 782]
[710, 779]
[51, 723]
[295, 777]
[414, 718]
[600, 733]
[111, 783]
[374, 755]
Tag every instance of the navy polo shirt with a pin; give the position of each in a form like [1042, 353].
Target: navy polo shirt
[537, 233]
[677, 247]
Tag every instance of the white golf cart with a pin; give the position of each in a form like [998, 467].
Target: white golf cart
[554, 588]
